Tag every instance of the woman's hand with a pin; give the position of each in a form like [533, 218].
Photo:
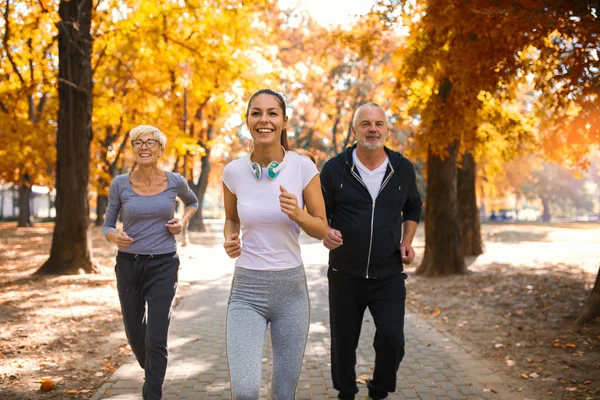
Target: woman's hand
[289, 205]
[232, 246]
[174, 226]
[122, 240]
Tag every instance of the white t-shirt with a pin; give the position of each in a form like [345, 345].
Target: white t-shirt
[269, 237]
[373, 178]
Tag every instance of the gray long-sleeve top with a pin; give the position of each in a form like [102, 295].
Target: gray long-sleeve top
[144, 217]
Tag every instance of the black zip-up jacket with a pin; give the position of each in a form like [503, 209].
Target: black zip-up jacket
[371, 230]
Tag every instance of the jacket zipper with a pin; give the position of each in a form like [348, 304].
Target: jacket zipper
[371, 241]
[387, 179]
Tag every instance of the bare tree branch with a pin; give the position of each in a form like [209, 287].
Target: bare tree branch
[44, 9]
[99, 62]
[40, 107]
[5, 41]
[123, 143]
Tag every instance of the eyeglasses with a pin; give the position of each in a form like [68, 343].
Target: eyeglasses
[150, 143]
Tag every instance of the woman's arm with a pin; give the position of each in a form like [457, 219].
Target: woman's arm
[190, 201]
[188, 213]
[313, 220]
[231, 231]
[109, 229]
[121, 239]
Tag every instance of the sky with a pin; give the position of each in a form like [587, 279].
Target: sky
[331, 12]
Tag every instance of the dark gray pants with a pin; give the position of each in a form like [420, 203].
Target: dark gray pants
[147, 285]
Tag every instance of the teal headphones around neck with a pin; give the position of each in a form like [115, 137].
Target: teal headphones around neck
[273, 169]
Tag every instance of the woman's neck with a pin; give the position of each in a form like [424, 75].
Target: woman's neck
[147, 173]
[264, 155]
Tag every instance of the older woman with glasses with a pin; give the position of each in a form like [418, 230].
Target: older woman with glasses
[147, 261]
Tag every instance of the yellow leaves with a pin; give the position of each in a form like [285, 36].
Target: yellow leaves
[573, 109]
[186, 144]
[26, 147]
[485, 96]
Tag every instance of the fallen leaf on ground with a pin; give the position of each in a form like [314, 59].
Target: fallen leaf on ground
[47, 384]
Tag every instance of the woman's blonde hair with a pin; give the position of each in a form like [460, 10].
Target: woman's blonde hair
[140, 130]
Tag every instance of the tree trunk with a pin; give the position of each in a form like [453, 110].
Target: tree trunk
[592, 307]
[25, 202]
[468, 213]
[70, 252]
[546, 212]
[197, 222]
[101, 203]
[443, 255]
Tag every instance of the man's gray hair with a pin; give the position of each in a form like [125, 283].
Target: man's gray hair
[369, 105]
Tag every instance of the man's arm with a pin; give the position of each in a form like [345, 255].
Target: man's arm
[328, 189]
[413, 205]
[409, 229]
[411, 215]
[333, 239]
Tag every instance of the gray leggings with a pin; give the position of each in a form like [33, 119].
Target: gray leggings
[257, 298]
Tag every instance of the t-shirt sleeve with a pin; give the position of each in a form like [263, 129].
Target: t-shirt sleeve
[228, 177]
[184, 192]
[113, 208]
[309, 170]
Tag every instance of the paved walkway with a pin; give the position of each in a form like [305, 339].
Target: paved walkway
[435, 367]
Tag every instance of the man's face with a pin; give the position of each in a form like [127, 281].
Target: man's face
[371, 128]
